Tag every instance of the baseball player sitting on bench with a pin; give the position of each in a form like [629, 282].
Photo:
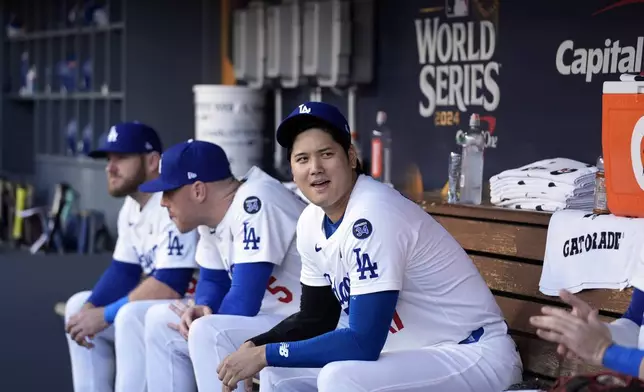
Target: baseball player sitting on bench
[105, 326]
[420, 316]
[249, 265]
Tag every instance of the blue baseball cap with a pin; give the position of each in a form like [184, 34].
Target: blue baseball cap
[188, 162]
[129, 138]
[308, 115]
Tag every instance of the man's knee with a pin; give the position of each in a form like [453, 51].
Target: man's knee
[129, 316]
[200, 331]
[75, 303]
[157, 319]
[336, 377]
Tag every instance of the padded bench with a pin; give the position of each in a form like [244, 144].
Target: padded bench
[508, 248]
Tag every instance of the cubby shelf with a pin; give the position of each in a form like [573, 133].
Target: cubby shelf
[67, 74]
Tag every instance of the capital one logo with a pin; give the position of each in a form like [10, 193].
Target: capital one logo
[637, 152]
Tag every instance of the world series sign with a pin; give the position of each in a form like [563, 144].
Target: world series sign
[456, 46]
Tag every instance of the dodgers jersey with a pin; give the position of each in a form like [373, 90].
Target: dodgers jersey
[387, 242]
[148, 237]
[259, 226]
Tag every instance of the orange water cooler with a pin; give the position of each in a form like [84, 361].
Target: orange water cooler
[623, 147]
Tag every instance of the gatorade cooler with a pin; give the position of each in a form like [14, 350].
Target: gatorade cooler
[623, 147]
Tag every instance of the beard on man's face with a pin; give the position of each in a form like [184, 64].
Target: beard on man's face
[127, 186]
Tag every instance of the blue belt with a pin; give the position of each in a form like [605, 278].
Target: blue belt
[474, 337]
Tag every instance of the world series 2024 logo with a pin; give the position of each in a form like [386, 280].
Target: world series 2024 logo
[456, 46]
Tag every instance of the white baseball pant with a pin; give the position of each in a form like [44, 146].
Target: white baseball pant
[168, 365]
[119, 346]
[212, 338]
[490, 365]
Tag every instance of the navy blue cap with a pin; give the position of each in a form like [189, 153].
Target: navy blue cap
[308, 115]
[188, 162]
[129, 138]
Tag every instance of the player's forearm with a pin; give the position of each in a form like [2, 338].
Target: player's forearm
[212, 287]
[319, 313]
[371, 315]
[247, 290]
[624, 332]
[117, 280]
[151, 288]
[626, 360]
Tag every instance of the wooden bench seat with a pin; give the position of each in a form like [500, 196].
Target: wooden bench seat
[508, 248]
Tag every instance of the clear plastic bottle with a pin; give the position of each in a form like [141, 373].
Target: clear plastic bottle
[381, 150]
[601, 204]
[473, 144]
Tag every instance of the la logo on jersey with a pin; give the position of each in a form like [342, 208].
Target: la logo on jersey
[304, 109]
[174, 245]
[637, 152]
[251, 239]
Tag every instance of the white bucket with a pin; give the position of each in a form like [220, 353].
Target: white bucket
[233, 118]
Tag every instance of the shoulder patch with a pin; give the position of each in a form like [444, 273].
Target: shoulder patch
[362, 229]
[252, 204]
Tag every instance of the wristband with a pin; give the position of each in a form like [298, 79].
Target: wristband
[622, 359]
[112, 309]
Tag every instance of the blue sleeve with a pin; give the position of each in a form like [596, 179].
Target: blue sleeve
[177, 279]
[369, 320]
[212, 287]
[635, 309]
[626, 360]
[247, 289]
[117, 281]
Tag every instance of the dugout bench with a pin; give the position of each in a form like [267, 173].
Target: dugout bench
[508, 248]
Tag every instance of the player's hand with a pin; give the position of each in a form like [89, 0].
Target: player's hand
[248, 386]
[188, 314]
[85, 324]
[243, 364]
[580, 309]
[587, 339]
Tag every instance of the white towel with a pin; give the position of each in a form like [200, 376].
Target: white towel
[539, 183]
[587, 251]
[547, 204]
[563, 170]
[527, 192]
[544, 205]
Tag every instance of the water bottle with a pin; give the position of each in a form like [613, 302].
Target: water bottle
[473, 144]
[601, 204]
[381, 150]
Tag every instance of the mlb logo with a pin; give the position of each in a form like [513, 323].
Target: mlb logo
[456, 8]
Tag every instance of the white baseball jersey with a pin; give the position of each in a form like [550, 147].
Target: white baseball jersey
[148, 237]
[259, 226]
[387, 242]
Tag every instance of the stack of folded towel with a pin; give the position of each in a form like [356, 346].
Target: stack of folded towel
[547, 185]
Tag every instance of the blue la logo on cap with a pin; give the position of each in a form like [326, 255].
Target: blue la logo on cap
[128, 138]
[188, 162]
[304, 113]
[112, 136]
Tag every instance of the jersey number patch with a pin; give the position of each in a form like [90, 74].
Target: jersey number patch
[286, 298]
[250, 238]
[174, 245]
[365, 265]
